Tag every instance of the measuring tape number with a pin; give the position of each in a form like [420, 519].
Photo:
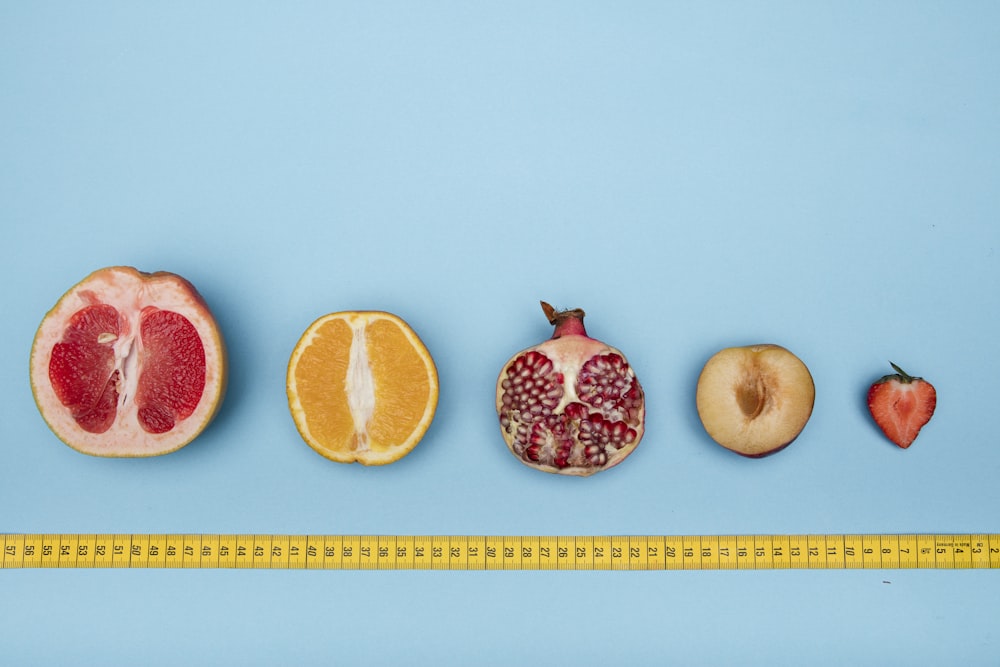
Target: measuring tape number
[386, 552]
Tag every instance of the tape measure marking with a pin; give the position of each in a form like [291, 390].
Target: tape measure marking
[400, 552]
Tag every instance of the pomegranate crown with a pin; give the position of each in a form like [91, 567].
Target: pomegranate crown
[565, 321]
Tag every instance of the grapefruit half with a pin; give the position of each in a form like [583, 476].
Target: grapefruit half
[128, 364]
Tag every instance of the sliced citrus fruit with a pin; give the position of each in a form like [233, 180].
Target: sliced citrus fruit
[361, 387]
[128, 364]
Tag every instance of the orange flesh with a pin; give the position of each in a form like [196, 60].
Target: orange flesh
[319, 378]
[401, 385]
[361, 402]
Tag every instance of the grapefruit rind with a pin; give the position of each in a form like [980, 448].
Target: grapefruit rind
[129, 291]
[384, 453]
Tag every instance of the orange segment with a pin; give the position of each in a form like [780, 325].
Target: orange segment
[323, 405]
[361, 387]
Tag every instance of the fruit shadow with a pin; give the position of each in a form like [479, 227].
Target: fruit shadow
[692, 372]
[242, 363]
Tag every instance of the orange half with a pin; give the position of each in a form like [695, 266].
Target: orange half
[362, 387]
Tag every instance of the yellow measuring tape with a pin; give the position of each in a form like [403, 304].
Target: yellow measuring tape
[386, 552]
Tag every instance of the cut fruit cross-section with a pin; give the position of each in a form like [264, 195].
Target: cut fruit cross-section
[128, 364]
[361, 387]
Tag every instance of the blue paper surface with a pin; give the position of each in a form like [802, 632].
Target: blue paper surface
[695, 175]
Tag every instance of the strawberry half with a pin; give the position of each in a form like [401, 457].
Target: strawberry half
[901, 405]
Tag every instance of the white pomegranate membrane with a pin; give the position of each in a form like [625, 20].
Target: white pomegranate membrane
[571, 405]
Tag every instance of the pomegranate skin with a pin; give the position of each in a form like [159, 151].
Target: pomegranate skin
[571, 405]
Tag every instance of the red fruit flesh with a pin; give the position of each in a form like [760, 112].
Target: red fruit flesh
[82, 370]
[570, 405]
[84, 377]
[173, 376]
[901, 405]
[128, 364]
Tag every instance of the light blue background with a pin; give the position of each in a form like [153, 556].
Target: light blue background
[820, 175]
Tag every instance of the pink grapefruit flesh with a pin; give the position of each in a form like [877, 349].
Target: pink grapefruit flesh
[128, 364]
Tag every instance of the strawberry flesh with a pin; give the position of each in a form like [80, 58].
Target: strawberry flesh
[901, 405]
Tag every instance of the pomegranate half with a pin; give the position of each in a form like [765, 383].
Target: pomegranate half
[128, 364]
[571, 405]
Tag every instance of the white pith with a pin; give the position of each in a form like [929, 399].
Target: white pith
[360, 385]
[129, 292]
[127, 353]
[568, 355]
